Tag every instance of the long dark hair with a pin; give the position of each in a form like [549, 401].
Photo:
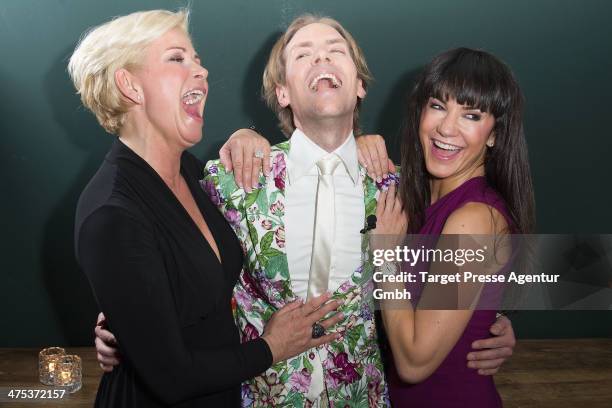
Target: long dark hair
[475, 78]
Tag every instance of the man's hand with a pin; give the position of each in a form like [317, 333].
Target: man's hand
[106, 346]
[238, 155]
[372, 154]
[495, 350]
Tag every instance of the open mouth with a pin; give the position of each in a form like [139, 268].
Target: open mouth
[445, 146]
[327, 80]
[444, 151]
[193, 103]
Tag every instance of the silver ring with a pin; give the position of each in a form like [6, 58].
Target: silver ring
[259, 154]
[317, 331]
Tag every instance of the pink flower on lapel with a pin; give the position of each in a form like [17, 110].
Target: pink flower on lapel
[345, 371]
[280, 237]
[232, 216]
[279, 171]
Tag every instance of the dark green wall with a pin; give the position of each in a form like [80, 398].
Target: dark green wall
[561, 51]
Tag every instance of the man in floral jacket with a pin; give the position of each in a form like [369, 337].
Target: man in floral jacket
[314, 80]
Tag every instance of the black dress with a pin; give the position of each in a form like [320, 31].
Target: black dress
[165, 295]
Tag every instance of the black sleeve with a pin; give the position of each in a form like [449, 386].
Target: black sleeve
[118, 253]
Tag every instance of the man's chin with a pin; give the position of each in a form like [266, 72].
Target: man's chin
[333, 109]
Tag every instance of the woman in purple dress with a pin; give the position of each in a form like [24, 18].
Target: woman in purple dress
[465, 171]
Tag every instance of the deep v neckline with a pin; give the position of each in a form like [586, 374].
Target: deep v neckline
[177, 203]
[193, 191]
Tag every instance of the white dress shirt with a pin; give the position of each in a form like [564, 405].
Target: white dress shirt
[300, 203]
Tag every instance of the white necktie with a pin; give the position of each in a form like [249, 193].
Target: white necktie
[324, 227]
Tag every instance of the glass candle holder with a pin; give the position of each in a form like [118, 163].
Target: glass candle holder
[47, 362]
[68, 373]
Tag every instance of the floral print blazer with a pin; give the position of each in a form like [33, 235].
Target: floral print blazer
[351, 368]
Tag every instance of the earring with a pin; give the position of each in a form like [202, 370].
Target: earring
[490, 143]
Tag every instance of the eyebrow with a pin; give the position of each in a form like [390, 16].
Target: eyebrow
[306, 44]
[176, 47]
[466, 107]
[336, 41]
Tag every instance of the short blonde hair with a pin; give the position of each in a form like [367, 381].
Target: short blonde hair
[274, 74]
[119, 43]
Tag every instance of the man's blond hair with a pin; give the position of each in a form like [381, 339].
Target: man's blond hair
[119, 43]
[274, 74]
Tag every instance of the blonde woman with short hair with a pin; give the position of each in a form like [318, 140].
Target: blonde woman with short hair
[161, 260]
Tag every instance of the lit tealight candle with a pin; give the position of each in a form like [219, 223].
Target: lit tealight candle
[69, 372]
[47, 360]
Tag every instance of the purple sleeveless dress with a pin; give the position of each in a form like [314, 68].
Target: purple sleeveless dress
[453, 384]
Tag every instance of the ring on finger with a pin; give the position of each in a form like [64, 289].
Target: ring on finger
[259, 154]
[317, 331]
